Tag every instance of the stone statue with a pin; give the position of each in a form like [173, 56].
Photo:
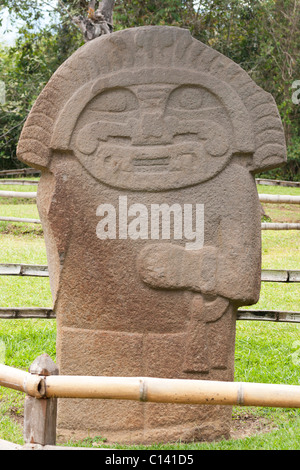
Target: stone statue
[148, 142]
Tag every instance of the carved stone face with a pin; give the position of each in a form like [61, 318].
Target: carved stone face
[154, 134]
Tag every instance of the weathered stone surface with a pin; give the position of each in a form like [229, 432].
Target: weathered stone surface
[134, 123]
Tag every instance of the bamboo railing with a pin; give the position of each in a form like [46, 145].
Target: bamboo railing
[33, 313]
[148, 389]
[20, 172]
[267, 275]
[19, 195]
[16, 219]
[264, 198]
[43, 386]
[268, 182]
[19, 182]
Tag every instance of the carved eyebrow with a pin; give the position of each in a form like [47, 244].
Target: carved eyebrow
[114, 100]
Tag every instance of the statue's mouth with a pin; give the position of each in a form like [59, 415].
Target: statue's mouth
[151, 159]
[153, 163]
[153, 166]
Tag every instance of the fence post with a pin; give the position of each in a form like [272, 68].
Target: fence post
[40, 413]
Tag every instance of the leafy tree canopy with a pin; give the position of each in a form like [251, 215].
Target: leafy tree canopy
[263, 36]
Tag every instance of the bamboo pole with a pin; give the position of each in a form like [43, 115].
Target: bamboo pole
[275, 199]
[277, 182]
[16, 194]
[26, 313]
[12, 378]
[16, 219]
[267, 275]
[22, 171]
[26, 270]
[248, 315]
[201, 392]
[196, 392]
[279, 226]
[18, 182]
[22, 381]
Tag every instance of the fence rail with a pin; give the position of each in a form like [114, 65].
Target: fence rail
[20, 172]
[264, 198]
[279, 226]
[279, 199]
[148, 389]
[23, 221]
[18, 182]
[26, 314]
[267, 275]
[18, 195]
[264, 226]
[262, 181]
[24, 270]
[43, 386]
[267, 182]
[242, 315]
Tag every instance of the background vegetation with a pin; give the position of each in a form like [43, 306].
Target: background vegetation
[263, 36]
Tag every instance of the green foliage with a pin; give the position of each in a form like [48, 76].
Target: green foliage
[263, 37]
[25, 69]
[129, 14]
[290, 171]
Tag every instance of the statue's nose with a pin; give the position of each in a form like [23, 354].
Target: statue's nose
[152, 125]
[151, 129]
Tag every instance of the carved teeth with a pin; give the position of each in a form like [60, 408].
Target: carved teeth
[151, 161]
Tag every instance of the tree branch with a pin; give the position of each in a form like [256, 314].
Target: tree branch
[99, 21]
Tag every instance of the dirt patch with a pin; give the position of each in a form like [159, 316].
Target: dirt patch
[247, 425]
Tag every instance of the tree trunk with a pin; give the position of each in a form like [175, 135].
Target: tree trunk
[99, 21]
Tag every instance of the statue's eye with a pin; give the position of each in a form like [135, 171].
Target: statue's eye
[187, 97]
[116, 100]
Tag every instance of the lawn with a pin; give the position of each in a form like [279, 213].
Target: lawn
[265, 352]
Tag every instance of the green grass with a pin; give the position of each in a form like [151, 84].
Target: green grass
[27, 211]
[280, 190]
[265, 352]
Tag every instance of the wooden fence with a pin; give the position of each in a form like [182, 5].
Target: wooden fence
[267, 182]
[33, 171]
[21, 172]
[43, 386]
[267, 275]
[19, 182]
[264, 198]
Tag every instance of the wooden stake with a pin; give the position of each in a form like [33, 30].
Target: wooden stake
[40, 413]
